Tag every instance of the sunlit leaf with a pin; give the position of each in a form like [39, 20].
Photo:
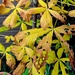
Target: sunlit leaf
[23, 27]
[72, 13]
[64, 59]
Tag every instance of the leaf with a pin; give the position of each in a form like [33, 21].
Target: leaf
[34, 71]
[3, 9]
[66, 37]
[2, 48]
[23, 27]
[60, 52]
[18, 51]
[46, 20]
[55, 71]
[51, 57]
[57, 15]
[42, 3]
[63, 67]
[29, 52]
[64, 59]
[72, 13]
[3, 29]
[11, 20]
[21, 3]
[10, 61]
[26, 72]
[20, 69]
[8, 3]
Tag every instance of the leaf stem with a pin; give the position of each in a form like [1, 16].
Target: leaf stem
[55, 22]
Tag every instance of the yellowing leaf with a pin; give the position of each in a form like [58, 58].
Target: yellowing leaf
[60, 52]
[7, 39]
[23, 27]
[42, 3]
[3, 9]
[27, 4]
[29, 51]
[55, 71]
[11, 20]
[10, 61]
[8, 49]
[63, 67]
[18, 52]
[57, 15]
[51, 57]
[66, 37]
[46, 20]
[64, 59]
[34, 71]
[2, 48]
[72, 13]
[20, 69]
[21, 3]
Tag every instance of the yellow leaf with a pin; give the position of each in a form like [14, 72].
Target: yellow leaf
[42, 3]
[0, 63]
[72, 13]
[66, 37]
[55, 71]
[10, 60]
[29, 51]
[8, 49]
[36, 10]
[23, 27]
[51, 57]
[42, 70]
[63, 67]
[2, 48]
[60, 52]
[57, 15]
[34, 71]
[64, 59]
[7, 39]
[46, 20]
[3, 9]
[11, 20]
[18, 51]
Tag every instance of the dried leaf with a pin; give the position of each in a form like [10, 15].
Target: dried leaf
[46, 20]
[8, 3]
[20, 69]
[10, 60]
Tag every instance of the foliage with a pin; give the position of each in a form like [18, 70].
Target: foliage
[43, 50]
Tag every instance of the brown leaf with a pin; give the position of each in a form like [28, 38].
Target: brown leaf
[20, 69]
[21, 2]
[8, 3]
[72, 59]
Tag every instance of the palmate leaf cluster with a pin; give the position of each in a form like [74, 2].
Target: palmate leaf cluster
[36, 48]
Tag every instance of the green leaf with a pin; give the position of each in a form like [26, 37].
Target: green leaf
[57, 45]
[26, 72]
[3, 29]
